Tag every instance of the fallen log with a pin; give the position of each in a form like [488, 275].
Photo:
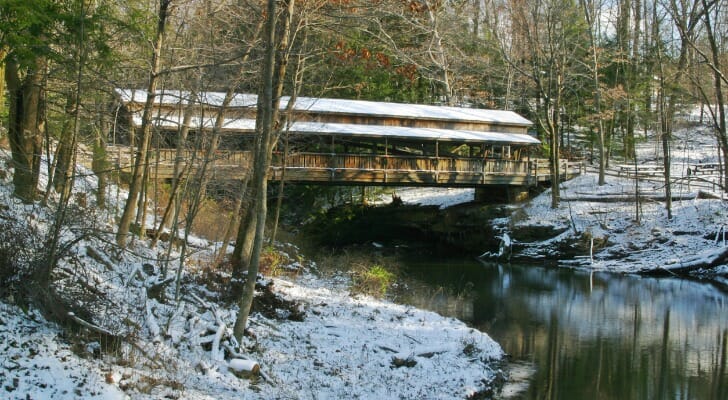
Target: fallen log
[244, 368]
[707, 259]
[621, 198]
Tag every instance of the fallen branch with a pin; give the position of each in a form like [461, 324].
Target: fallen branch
[107, 332]
[244, 368]
[99, 257]
[89, 325]
[708, 259]
[621, 198]
[218, 355]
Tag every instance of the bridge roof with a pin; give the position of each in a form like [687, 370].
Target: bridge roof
[340, 107]
[357, 130]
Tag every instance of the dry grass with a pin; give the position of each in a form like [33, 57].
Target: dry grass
[372, 280]
[372, 273]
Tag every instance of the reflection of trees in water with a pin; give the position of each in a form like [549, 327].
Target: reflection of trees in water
[625, 339]
[620, 338]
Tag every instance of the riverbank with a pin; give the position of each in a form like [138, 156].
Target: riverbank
[135, 335]
[591, 230]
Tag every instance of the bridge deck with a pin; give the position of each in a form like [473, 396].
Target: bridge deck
[358, 169]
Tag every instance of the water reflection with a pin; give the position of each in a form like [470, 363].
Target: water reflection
[588, 336]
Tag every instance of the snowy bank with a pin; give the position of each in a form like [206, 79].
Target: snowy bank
[346, 347]
[138, 338]
[588, 231]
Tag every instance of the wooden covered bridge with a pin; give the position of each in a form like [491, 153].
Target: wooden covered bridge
[341, 142]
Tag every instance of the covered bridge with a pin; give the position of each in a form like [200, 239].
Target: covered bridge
[337, 141]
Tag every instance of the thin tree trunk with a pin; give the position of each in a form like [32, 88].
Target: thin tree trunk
[721, 130]
[268, 109]
[246, 234]
[141, 209]
[597, 89]
[68, 171]
[178, 171]
[64, 151]
[100, 164]
[234, 221]
[281, 187]
[298, 81]
[3, 53]
[665, 113]
[439, 56]
[139, 166]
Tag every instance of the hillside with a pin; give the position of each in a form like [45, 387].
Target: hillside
[133, 336]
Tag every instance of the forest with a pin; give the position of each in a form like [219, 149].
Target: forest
[594, 76]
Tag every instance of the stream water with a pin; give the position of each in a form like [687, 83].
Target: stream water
[580, 335]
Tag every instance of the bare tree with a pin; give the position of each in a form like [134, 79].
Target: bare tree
[712, 11]
[274, 69]
[140, 165]
[543, 45]
[591, 12]
[686, 16]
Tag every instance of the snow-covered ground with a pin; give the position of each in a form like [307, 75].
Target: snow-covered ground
[427, 196]
[344, 346]
[695, 231]
[625, 243]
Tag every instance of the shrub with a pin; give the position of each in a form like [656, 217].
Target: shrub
[373, 281]
[18, 253]
[271, 261]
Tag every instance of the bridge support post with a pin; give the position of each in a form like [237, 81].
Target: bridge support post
[501, 194]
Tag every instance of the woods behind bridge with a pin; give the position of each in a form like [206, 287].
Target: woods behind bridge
[593, 77]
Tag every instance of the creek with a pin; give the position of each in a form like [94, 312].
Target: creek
[574, 334]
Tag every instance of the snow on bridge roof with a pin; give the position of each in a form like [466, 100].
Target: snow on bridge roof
[400, 132]
[357, 130]
[350, 107]
[341, 106]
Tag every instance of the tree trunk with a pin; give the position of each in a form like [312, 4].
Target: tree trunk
[141, 155]
[555, 164]
[178, 172]
[2, 83]
[64, 153]
[234, 221]
[438, 55]
[67, 171]
[26, 125]
[100, 166]
[298, 82]
[246, 234]
[268, 104]
[597, 89]
[721, 133]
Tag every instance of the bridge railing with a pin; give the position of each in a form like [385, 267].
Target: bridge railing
[241, 161]
[403, 163]
[124, 155]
